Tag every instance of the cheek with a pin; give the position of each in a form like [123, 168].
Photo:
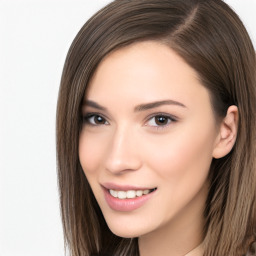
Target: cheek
[181, 166]
[91, 151]
[180, 157]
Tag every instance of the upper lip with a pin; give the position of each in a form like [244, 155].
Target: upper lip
[119, 187]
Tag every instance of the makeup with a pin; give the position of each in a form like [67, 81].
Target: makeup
[127, 198]
[148, 124]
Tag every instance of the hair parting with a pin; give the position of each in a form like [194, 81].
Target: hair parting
[210, 37]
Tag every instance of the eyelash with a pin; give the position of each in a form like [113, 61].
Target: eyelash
[87, 117]
[170, 119]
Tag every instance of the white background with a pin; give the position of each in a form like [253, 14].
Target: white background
[34, 38]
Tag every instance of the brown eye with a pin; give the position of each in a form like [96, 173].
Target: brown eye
[160, 121]
[95, 120]
[99, 120]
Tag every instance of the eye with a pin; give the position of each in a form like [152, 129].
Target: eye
[160, 120]
[94, 119]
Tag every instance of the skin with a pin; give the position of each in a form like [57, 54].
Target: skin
[128, 146]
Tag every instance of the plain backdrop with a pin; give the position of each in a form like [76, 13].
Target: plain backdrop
[34, 38]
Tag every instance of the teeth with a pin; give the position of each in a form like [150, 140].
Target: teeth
[129, 193]
[145, 192]
[113, 193]
[139, 193]
[121, 194]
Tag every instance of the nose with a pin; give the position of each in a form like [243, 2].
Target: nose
[123, 154]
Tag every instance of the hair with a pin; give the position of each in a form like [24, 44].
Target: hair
[211, 38]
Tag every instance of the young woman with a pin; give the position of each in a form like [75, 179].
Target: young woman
[156, 132]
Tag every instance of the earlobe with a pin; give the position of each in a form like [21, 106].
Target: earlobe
[227, 133]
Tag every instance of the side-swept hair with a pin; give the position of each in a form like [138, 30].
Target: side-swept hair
[210, 37]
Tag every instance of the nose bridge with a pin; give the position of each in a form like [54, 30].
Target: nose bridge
[123, 154]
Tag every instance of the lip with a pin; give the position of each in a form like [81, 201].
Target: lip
[125, 205]
[114, 186]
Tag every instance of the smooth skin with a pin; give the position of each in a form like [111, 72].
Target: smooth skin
[126, 140]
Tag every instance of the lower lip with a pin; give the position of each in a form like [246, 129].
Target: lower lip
[126, 205]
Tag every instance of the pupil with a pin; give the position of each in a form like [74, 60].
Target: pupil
[160, 120]
[99, 120]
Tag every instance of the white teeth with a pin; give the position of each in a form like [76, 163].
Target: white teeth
[113, 193]
[145, 192]
[121, 194]
[129, 193]
[139, 193]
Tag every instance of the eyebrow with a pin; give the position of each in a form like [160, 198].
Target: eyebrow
[93, 104]
[141, 107]
[155, 104]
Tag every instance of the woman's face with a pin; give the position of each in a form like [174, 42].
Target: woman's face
[147, 140]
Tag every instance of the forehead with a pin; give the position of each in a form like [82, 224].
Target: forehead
[144, 71]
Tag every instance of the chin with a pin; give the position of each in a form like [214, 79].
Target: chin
[125, 234]
[126, 229]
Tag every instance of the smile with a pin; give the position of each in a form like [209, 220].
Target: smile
[126, 198]
[130, 193]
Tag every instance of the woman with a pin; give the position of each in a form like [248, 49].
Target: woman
[156, 132]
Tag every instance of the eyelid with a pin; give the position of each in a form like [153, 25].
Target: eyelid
[169, 116]
[172, 117]
[86, 116]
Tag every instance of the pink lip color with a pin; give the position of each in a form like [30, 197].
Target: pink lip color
[125, 205]
[113, 186]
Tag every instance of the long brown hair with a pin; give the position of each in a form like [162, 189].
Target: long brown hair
[210, 37]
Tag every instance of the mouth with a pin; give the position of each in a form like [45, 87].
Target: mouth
[127, 198]
[130, 194]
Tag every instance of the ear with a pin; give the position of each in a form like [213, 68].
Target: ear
[227, 133]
